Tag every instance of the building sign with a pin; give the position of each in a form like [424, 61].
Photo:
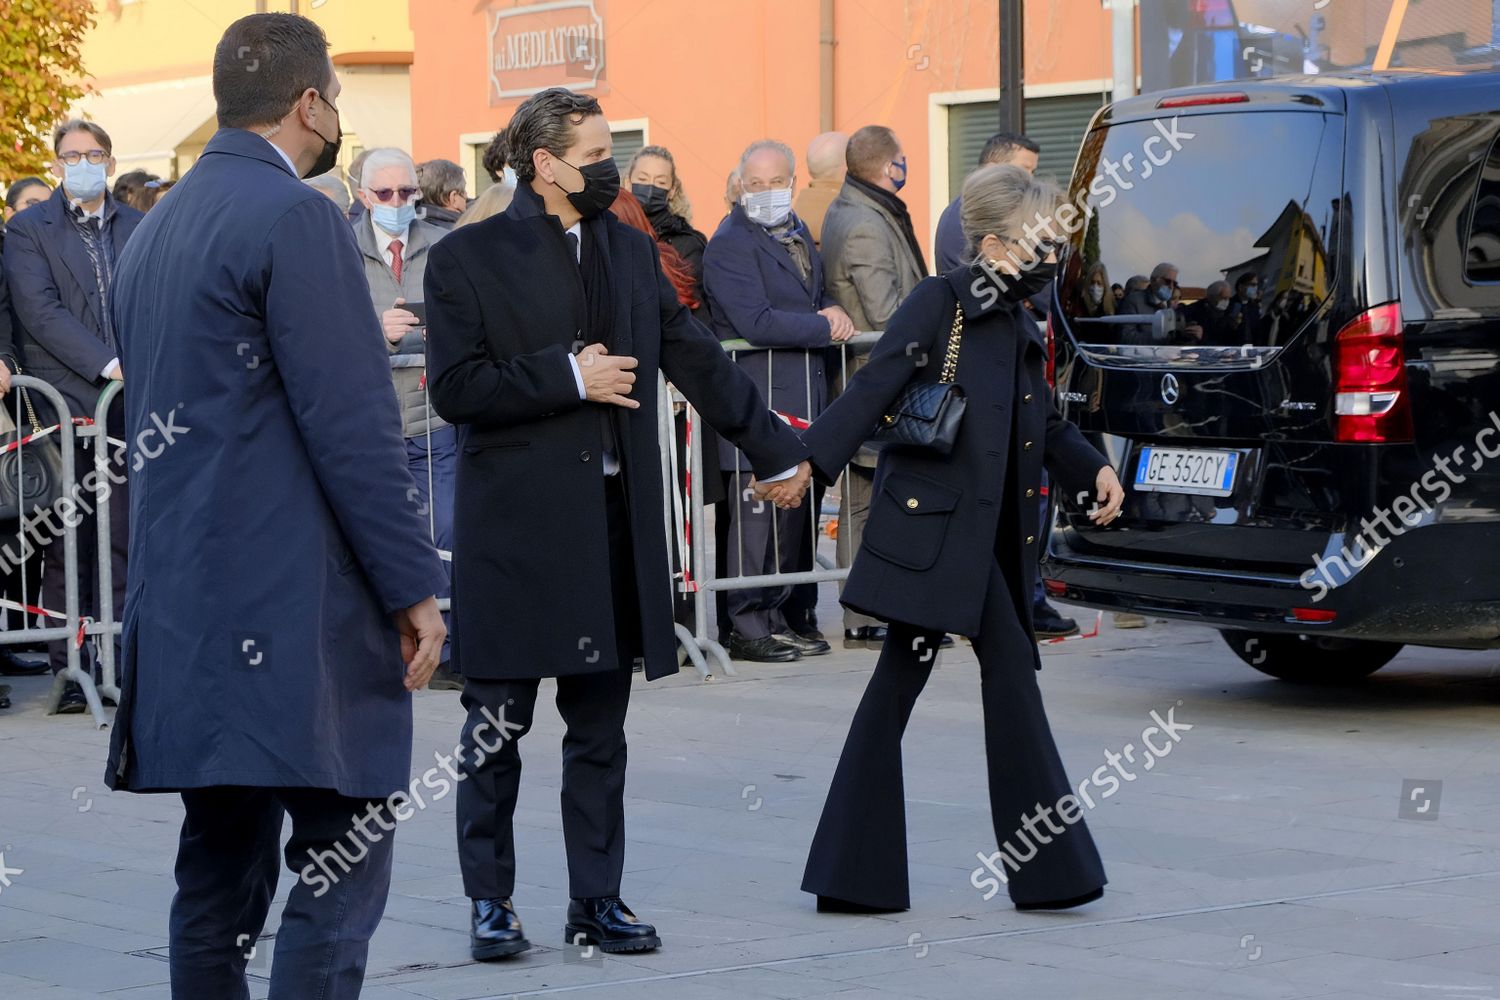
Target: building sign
[556, 44]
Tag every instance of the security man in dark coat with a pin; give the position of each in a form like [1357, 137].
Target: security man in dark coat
[951, 546]
[764, 281]
[547, 328]
[60, 258]
[280, 569]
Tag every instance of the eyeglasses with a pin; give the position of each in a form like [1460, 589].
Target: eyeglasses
[383, 195]
[94, 156]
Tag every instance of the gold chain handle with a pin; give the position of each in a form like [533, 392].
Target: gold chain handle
[950, 363]
[36, 426]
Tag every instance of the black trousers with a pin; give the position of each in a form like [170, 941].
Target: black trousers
[593, 709]
[859, 851]
[227, 870]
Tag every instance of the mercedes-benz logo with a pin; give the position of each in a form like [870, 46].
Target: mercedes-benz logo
[1170, 391]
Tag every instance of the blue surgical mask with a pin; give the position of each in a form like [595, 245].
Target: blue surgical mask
[1252, 292]
[769, 208]
[899, 182]
[393, 219]
[83, 180]
[1164, 293]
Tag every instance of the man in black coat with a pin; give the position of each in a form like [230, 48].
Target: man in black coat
[547, 328]
[60, 260]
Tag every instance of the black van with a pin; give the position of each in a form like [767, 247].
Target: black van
[1301, 384]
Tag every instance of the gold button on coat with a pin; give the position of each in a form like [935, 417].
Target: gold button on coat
[1030, 539]
[1026, 446]
[1031, 493]
[912, 503]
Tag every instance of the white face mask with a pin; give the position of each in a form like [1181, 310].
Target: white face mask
[769, 208]
[1096, 294]
[1221, 305]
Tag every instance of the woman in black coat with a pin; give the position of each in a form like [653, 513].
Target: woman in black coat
[951, 546]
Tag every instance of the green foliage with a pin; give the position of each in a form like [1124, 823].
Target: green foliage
[41, 76]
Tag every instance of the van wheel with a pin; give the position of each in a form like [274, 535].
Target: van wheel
[1310, 659]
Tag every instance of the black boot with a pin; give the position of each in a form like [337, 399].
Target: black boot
[607, 923]
[495, 930]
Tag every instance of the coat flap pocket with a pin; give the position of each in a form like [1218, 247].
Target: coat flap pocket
[920, 495]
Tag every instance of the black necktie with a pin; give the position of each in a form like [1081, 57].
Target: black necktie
[572, 244]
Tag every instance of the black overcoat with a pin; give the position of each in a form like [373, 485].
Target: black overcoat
[505, 307]
[931, 536]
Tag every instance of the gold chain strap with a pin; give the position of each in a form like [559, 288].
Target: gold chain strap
[950, 363]
[36, 426]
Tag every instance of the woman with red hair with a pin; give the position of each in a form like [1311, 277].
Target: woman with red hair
[629, 211]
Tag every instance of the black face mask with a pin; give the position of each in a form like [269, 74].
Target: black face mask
[329, 157]
[652, 198]
[1030, 281]
[601, 186]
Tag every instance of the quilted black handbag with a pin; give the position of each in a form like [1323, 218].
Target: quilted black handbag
[30, 475]
[926, 415]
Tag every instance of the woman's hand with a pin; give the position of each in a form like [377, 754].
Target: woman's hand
[1111, 496]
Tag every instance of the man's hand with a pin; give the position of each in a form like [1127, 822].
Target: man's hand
[422, 634]
[5, 374]
[115, 372]
[398, 322]
[785, 493]
[840, 326]
[607, 378]
[1111, 495]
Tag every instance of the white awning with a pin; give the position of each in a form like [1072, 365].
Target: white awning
[148, 121]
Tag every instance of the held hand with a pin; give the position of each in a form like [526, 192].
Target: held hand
[398, 322]
[5, 374]
[1111, 496]
[607, 378]
[785, 493]
[840, 326]
[115, 373]
[422, 634]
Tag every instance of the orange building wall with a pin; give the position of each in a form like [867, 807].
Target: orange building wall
[713, 75]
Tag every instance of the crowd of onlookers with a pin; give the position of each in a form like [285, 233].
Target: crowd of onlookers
[795, 267]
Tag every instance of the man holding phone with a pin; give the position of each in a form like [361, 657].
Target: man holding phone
[394, 243]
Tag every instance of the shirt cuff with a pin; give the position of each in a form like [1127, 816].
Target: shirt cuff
[112, 363]
[578, 376]
[788, 474]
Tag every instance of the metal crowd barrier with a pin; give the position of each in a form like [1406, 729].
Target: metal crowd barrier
[75, 627]
[687, 513]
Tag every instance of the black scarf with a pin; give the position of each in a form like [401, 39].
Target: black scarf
[896, 207]
[598, 282]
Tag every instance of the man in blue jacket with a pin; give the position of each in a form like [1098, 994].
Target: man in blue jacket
[280, 568]
[764, 282]
[60, 259]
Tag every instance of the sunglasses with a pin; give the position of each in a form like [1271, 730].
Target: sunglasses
[383, 195]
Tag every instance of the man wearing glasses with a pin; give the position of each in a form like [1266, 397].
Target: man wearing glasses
[60, 262]
[393, 239]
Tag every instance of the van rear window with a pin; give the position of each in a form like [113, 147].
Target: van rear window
[1209, 237]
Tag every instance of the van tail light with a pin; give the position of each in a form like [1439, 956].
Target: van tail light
[1051, 355]
[1371, 401]
[1056, 588]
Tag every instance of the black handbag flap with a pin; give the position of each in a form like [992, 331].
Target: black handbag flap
[920, 495]
[922, 401]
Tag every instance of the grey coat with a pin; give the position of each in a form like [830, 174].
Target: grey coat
[409, 356]
[870, 269]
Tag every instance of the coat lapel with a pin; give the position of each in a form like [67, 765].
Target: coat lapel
[770, 246]
[75, 255]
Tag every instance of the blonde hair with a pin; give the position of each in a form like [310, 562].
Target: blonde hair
[491, 201]
[1001, 200]
[677, 199]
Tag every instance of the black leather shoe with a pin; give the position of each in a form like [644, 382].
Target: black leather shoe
[495, 931]
[607, 923]
[4, 696]
[830, 904]
[1048, 622]
[946, 642]
[1063, 904]
[766, 649]
[805, 626]
[807, 647]
[73, 702]
[12, 665]
[865, 637]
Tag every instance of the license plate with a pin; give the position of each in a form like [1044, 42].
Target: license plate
[1186, 470]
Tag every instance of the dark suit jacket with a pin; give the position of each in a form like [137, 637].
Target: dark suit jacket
[505, 305]
[56, 299]
[273, 532]
[755, 293]
[932, 533]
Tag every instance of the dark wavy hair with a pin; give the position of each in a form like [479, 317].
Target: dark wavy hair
[545, 121]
